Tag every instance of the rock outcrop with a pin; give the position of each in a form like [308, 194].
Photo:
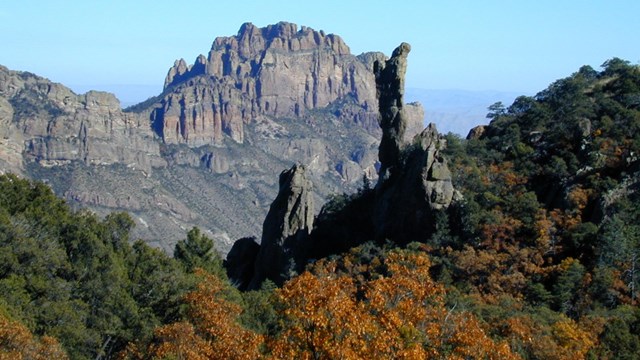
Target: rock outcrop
[414, 183]
[286, 229]
[476, 132]
[276, 71]
[414, 178]
[392, 119]
[49, 124]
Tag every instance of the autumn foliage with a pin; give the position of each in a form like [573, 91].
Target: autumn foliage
[355, 312]
[211, 330]
[17, 343]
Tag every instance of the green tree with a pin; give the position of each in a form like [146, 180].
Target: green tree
[197, 251]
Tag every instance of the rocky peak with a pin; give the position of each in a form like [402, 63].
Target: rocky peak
[277, 71]
[390, 92]
[286, 229]
[414, 177]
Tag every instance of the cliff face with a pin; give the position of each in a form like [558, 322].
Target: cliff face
[48, 124]
[276, 71]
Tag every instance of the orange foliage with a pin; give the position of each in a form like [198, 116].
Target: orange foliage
[400, 315]
[502, 264]
[579, 197]
[562, 340]
[211, 332]
[17, 342]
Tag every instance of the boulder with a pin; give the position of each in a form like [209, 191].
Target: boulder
[240, 262]
[476, 132]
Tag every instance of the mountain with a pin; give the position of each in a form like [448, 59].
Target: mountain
[207, 150]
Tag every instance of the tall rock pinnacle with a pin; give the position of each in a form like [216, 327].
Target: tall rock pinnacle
[414, 180]
[286, 229]
[390, 92]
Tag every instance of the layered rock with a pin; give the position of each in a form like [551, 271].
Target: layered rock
[276, 71]
[286, 229]
[49, 124]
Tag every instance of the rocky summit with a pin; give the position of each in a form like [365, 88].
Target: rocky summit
[276, 71]
[207, 151]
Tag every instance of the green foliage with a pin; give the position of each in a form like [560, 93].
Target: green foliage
[197, 251]
[77, 278]
[260, 311]
[619, 337]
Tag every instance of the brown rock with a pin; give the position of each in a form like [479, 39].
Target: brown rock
[476, 132]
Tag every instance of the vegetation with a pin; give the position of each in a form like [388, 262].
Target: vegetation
[540, 261]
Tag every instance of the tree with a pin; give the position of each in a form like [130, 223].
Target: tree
[17, 342]
[496, 110]
[210, 330]
[390, 308]
[197, 251]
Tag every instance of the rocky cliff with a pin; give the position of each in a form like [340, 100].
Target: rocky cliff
[276, 71]
[47, 123]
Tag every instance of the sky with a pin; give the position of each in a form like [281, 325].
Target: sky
[127, 46]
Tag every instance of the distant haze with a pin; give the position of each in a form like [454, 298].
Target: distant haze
[458, 111]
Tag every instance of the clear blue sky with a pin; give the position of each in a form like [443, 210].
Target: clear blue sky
[474, 45]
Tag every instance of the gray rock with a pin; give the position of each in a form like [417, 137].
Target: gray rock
[390, 93]
[414, 177]
[240, 262]
[53, 126]
[286, 229]
[276, 71]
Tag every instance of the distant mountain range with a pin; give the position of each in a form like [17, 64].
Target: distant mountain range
[458, 111]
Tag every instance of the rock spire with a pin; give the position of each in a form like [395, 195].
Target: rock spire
[286, 229]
